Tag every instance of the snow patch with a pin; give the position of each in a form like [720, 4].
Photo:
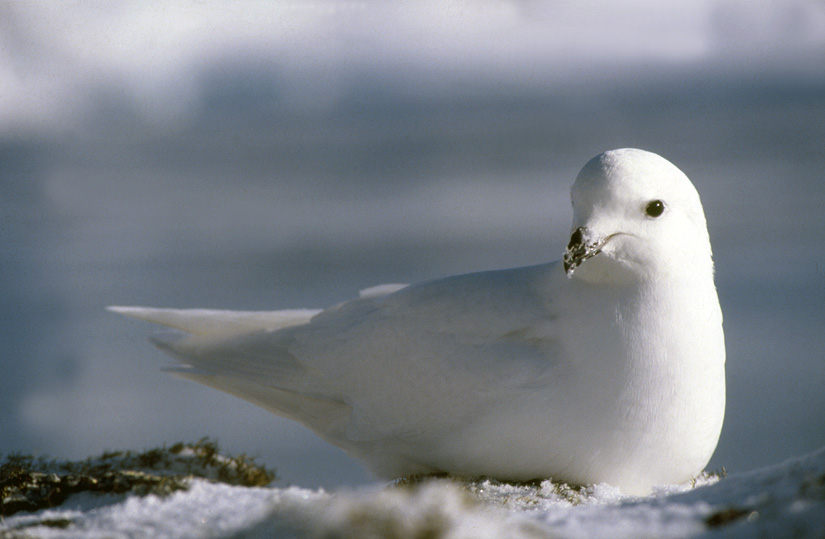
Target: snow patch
[783, 500]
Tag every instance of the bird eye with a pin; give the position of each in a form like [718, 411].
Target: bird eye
[655, 208]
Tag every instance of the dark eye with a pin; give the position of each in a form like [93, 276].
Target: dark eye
[655, 208]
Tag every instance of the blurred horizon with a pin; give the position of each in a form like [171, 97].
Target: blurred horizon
[264, 156]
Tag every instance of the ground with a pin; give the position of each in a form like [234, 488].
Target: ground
[192, 490]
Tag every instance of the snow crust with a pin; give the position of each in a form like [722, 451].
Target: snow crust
[784, 500]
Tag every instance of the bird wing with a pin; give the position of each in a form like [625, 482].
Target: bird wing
[462, 343]
[384, 365]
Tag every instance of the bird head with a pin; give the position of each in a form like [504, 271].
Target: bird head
[635, 216]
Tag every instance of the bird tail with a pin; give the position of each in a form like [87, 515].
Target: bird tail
[236, 352]
[218, 323]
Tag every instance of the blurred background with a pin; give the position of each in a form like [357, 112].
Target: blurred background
[269, 155]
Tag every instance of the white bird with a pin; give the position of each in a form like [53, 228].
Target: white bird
[605, 367]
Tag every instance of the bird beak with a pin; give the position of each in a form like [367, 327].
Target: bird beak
[581, 247]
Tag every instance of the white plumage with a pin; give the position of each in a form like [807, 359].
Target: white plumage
[608, 367]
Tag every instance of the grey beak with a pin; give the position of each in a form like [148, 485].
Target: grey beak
[581, 247]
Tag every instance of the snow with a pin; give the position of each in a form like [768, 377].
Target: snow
[787, 499]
